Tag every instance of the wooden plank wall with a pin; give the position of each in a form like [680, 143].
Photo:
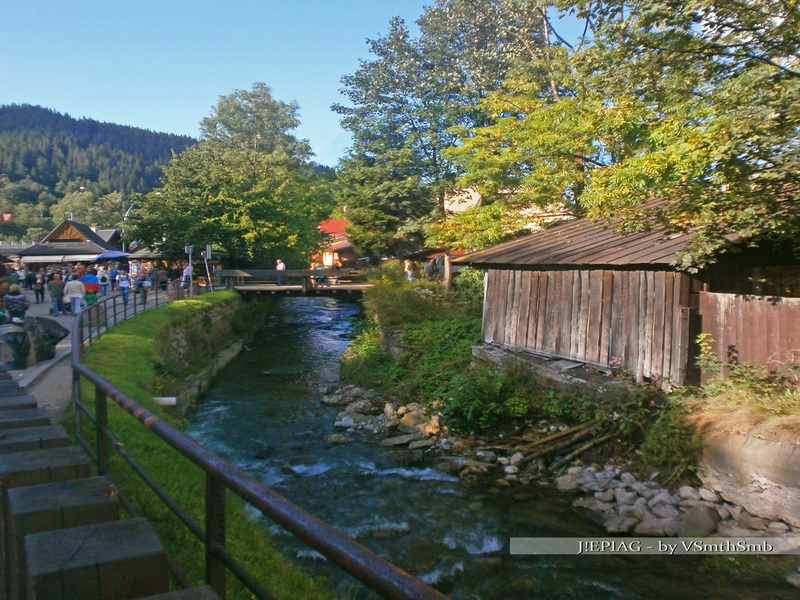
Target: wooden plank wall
[592, 316]
[752, 329]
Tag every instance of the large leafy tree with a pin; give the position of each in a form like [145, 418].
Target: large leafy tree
[245, 188]
[406, 100]
[690, 103]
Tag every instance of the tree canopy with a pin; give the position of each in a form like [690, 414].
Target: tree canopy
[688, 106]
[245, 188]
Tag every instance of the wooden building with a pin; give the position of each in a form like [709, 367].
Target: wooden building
[578, 291]
[70, 242]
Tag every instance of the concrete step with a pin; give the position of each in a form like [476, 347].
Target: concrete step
[33, 438]
[51, 506]
[32, 467]
[197, 593]
[17, 402]
[118, 560]
[29, 417]
[12, 390]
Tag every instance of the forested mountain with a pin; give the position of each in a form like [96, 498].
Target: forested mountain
[46, 156]
[53, 149]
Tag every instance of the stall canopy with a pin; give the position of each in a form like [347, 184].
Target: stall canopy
[110, 255]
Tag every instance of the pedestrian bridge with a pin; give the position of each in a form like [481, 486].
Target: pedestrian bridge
[341, 282]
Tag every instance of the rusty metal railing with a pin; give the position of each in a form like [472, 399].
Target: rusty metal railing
[377, 573]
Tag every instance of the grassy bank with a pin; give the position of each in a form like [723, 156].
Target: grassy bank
[134, 357]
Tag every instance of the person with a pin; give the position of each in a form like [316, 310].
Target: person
[38, 287]
[410, 269]
[187, 276]
[143, 285]
[163, 279]
[113, 273]
[431, 270]
[16, 304]
[104, 280]
[280, 266]
[75, 291]
[56, 290]
[124, 285]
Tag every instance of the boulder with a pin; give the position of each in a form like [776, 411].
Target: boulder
[420, 444]
[337, 438]
[400, 440]
[620, 524]
[654, 527]
[699, 521]
[625, 496]
[567, 483]
[748, 521]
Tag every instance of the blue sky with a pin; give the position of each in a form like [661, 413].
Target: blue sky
[163, 64]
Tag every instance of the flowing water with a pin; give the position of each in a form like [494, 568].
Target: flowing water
[263, 414]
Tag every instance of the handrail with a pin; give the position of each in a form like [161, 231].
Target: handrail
[357, 560]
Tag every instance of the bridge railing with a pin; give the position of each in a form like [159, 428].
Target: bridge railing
[381, 576]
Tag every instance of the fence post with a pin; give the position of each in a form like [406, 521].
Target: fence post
[101, 416]
[215, 534]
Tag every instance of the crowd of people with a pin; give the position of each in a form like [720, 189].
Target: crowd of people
[71, 288]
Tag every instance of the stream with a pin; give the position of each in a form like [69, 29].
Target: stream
[263, 414]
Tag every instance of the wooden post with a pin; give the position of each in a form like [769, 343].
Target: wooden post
[448, 275]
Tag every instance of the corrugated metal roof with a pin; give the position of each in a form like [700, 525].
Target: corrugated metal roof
[582, 242]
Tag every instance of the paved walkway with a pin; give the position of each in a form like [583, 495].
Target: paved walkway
[50, 381]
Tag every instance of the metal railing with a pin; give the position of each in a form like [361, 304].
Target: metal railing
[378, 574]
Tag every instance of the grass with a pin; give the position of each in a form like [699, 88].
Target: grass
[129, 357]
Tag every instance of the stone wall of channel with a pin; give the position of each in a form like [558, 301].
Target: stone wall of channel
[759, 474]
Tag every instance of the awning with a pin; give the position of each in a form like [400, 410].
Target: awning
[57, 258]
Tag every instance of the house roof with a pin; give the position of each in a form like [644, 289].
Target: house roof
[69, 241]
[334, 227]
[582, 242]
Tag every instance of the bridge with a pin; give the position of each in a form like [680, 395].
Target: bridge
[340, 282]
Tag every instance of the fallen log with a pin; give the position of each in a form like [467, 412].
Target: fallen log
[553, 437]
[555, 446]
[577, 452]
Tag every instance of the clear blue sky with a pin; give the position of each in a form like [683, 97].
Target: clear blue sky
[163, 64]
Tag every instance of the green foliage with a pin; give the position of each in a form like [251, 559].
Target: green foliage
[468, 290]
[366, 363]
[432, 352]
[671, 444]
[482, 398]
[244, 188]
[694, 105]
[127, 356]
[394, 301]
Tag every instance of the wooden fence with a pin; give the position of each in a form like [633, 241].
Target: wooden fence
[641, 317]
[752, 329]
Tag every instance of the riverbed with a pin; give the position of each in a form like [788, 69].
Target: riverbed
[263, 414]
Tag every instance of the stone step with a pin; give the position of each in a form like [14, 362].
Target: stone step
[17, 402]
[29, 417]
[51, 506]
[197, 593]
[119, 560]
[8, 382]
[32, 438]
[32, 467]
[12, 390]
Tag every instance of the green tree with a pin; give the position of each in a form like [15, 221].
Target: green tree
[244, 188]
[406, 100]
[693, 104]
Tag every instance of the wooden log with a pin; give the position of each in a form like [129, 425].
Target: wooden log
[549, 449]
[551, 438]
[578, 451]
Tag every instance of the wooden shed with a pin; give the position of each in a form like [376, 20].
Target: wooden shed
[578, 291]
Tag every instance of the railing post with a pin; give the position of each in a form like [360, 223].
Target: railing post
[215, 533]
[76, 398]
[101, 416]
